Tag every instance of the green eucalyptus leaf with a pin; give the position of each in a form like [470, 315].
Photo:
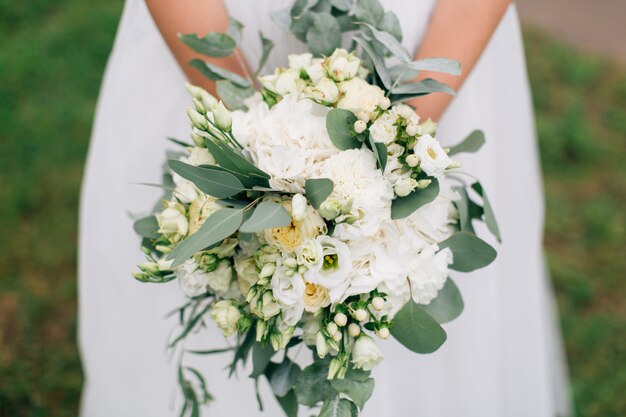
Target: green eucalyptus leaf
[289, 404]
[241, 353]
[284, 377]
[312, 385]
[343, 5]
[336, 407]
[235, 161]
[216, 228]
[235, 30]
[325, 34]
[216, 183]
[391, 24]
[147, 227]
[378, 61]
[490, 216]
[402, 73]
[340, 125]
[282, 18]
[300, 25]
[369, 11]
[266, 46]
[317, 190]
[390, 43]
[402, 207]
[357, 391]
[233, 95]
[448, 304]
[380, 150]
[462, 206]
[347, 23]
[472, 143]
[449, 66]
[215, 73]
[300, 7]
[417, 330]
[422, 87]
[470, 252]
[214, 44]
[261, 355]
[267, 215]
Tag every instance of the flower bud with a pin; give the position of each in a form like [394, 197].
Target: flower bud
[332, 328]
[378, 303]
[412, 160]
[360, 126]
[361, 315]
[197, 120]
[290, 263]
[354, 329]
[337, 336]
[428, 127]
[421, 184]
[197, 140]
[320, 345]
[363, 116]
[455, 164]
[298, 207]
[330, 209]
[412, 130]
[404, 186]
[267, 270]
[384, 102]
[383, 333]
[223, 117]
[340, 319]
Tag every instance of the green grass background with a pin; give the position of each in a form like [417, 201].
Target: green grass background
[51, 59]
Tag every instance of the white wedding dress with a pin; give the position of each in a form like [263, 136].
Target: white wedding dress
[503, 356]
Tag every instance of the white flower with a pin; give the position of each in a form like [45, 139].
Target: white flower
[315, 71]
[356, 178]
[428, 127]
[247, 273]
[359, 96]
[300, 61]
[284, 81]
[288, 287]
[384, 129]
[289, 238]
[200, 209]
[433, 159]
[342, 65]
[428, 273]
[223, 117]
[333, 269]
[226, 314]
[200, 156]
[219, 280]
[264, 305]
[365, 353]
[406, 112]
[325, 91]
[298, 207]
[404, 186]
[173, 221]
[193, 281]
[315, 297]
[310, 253]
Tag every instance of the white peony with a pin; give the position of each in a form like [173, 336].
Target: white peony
[365, 353]
[356, 178]
[226, 315]
[433, 159]
[333, 269]
[384, 129]
[360, 96]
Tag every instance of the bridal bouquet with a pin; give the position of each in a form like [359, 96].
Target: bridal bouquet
[319, 210]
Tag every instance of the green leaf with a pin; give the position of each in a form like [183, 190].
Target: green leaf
[391, 24]
[266, 46]
[317, 190]
[420, 88]
[448, 304]
[147, 227]
[417, 330]
[300, 7]
[325, 34]
[340, 125]
[369, 11]
[213, 182]
[336, 407]
[300, 25]
[232, 160]
[390, 43]
[380, 150]
[267, 215]
[490, 216]
[235, 29]
[214, 44]
[358, 391]
[284, 377]
[241, 354]
[312, 385]
[215, 73]
[282, 18]
[472, 143]
[261, 355]
[470, 252]
[289, 404]
[402, 73]
[448, 66]
[402, 207]
[343, 5]
[462, 206]
[233, 95]
[378, 61]
[216, 228]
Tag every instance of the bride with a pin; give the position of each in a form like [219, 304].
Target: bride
[503, 356]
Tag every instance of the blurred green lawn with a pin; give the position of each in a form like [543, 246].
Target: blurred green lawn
[51, 60]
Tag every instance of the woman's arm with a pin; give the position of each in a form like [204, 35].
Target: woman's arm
[459, 29]
[193, 16]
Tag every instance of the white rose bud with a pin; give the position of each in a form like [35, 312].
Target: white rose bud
[412, 160]
[360, 315]
[172, 220]
[384, 103]
[354, 329]
[421, 184]
[340, 319]
[412, 130]
[197, 139]
[290, 263]
[404, 186]
[360, 126]
[363, 116]
[342, 65]
[365, 353]
[200, 94]
[226, 314]
[326, 91]
[267, 270]
[378, 303]
[223, 117]
[321, 345]
[298, 207]
[197, 120]
[332, 328]
[383, 333]
[315, 71]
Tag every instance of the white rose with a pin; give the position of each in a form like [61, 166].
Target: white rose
[298, 207]
[404, 186]
[173, 221]
[300, 61]
[365, 353]
[325, 91]
[316, 71]
[219, 280]
[310, 253]
[342, 65]
[333, 269]
[433, 159]
[384, 129]
[289, 81]
[226, 315]
[359, 96]
[288, 286]
[193, 281]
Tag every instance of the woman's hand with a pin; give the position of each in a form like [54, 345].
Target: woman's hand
[459, 29]
[194, 16]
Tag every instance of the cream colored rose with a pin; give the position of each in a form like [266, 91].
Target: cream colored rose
[342, 65]
[173, 221]
[325, 91]
[288, 238]
[365, 353]
[359, 96]
[315, 297]
[226, 315]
